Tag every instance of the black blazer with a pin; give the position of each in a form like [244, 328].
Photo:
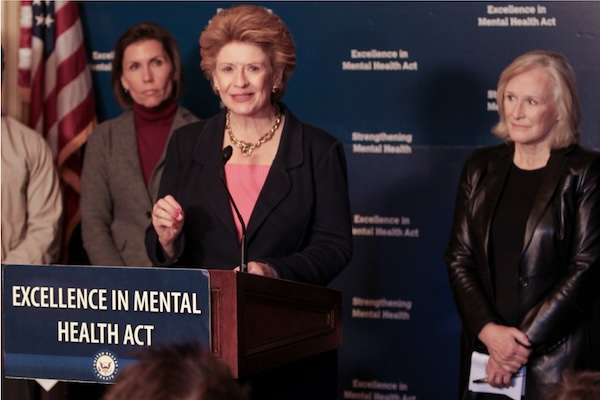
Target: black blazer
[559, 271]
[301, 223]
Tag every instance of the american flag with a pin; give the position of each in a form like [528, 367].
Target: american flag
[55, 79]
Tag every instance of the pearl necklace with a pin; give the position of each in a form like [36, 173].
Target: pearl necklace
[247, 148]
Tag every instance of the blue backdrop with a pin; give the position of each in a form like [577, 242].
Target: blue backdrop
[408, 120]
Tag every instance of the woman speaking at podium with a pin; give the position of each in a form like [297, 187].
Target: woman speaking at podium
[287, 179]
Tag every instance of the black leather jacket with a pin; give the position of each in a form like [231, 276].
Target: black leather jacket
[559, 271]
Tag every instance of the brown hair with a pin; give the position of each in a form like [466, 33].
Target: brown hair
[138, 33]
[249, 24]
[184, 371]
[566, 96]
[581, 385]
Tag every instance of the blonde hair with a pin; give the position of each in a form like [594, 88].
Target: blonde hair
[566, 96]
[249, 24]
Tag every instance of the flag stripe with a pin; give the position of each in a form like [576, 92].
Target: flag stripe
[37, 84]
[25, 52]
[77, 117]
[67, 16]
[55, 76]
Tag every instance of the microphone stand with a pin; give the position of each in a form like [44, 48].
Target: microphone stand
[227, 152]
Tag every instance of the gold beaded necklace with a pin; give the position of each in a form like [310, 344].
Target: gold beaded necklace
[247, 148]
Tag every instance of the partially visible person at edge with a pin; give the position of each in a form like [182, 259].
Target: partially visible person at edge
[524, 250]
[31, 212]
[288, 178]
[176, 371]
[577, 385]
[124, 157]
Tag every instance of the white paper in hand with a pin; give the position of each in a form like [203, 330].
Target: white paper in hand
[478, 384]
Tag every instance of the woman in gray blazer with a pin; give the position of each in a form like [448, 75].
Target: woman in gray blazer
[124, 156]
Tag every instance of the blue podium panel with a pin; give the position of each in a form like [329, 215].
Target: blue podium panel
[84, 323]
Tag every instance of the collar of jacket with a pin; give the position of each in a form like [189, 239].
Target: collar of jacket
[289, 155]
[508, 148]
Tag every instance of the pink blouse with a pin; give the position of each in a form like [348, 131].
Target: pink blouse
[245, 183]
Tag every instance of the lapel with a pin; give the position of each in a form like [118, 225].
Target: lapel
[498, 168]
[182, 117]
[550, 179]
[290, 155]
[208, 162]
[126, 149]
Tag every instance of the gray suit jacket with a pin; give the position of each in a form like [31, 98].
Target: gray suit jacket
[116, 205]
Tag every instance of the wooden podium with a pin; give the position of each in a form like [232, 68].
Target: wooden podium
[261, 323]
[279, 336]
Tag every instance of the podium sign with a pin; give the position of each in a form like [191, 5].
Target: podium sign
[85, 323]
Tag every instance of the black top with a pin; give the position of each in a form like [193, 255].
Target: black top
[507, 234]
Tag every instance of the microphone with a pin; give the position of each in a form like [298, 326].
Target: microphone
[227, 152]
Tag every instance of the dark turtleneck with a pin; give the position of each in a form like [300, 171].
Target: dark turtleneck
[507, 238]
[152, 127]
